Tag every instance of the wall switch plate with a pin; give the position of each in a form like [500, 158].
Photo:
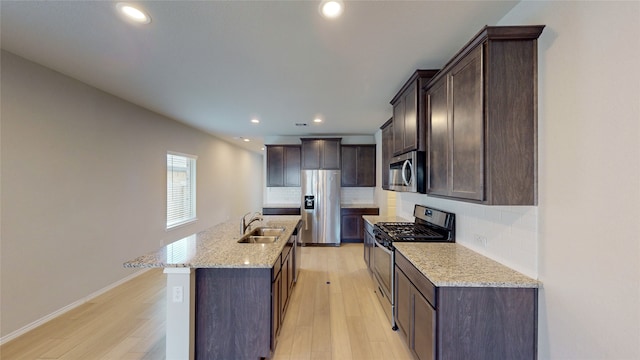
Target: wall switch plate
[178, 294]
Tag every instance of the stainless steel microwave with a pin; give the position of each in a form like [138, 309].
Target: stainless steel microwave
[407, 172]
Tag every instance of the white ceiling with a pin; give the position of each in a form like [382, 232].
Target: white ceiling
[217, 64]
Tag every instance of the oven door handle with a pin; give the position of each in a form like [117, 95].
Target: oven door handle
[382, 247]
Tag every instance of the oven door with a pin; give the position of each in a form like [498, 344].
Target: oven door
[383, 260]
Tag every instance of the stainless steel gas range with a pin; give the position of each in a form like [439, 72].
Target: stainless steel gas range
[430, 225]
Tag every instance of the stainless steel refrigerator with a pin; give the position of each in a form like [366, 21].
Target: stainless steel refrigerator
[320, 207]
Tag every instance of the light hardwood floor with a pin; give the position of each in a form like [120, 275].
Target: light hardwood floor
[333, 314]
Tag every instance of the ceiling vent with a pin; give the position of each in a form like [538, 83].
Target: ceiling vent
[301, 124]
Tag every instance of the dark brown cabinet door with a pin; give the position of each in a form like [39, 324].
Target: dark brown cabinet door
[352, 223]
[311, 150]
[276, 289]
[438, 140]
[349, 172]
[367, 166]
[398, 127]
[403, 303]
[275, 165]
[283, 165]
[351, 227]
[409, 113]
[292, 166]
[287, 281]
[331, 155]
[466, 125]
[410, 101]
[358, 165]
[387, 152]
[423, 338]
[321, 154]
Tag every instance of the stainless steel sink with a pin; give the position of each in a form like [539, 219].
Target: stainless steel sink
[266, 231]
[262, 235]
[252, 239]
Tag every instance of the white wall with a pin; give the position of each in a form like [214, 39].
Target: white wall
[588, 218]
[84, 188]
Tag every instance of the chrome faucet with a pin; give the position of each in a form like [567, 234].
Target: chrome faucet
[244, 225]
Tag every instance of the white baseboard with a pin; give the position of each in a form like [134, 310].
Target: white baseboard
[69, 307]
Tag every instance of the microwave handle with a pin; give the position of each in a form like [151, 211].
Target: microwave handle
[404, 167]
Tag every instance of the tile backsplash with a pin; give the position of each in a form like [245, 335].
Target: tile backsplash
[507, 234]
[292, 195]
[282, 196]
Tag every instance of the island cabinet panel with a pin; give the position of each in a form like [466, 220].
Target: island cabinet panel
[481, 131]
[358, 167]
[228, 303]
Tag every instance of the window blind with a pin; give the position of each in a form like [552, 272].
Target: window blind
[181, 189]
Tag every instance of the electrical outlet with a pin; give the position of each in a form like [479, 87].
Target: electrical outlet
[480, 240]
[178, 295]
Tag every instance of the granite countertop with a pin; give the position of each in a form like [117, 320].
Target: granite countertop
[217, 247]
[373, 219]
[453, 265]
[358, 206]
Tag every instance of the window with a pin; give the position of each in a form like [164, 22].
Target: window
[181, 189]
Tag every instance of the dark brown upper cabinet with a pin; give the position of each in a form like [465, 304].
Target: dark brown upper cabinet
[408, 114]
[323, 154]
[358, 166]
[283, 165]
[387, 151]
[482, 120]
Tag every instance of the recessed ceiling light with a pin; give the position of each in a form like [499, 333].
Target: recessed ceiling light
[246, 140]
[317, 120]
[255, 121]
[331, 9]
[133, 13]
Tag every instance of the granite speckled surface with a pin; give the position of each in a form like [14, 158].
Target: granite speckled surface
[358, 206]
[453, 265]
[217, 247]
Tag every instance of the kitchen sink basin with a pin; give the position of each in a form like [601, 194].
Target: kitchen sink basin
[266, 231]
[253, 239]
[262, 235]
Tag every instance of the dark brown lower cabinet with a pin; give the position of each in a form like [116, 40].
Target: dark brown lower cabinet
[464, 322]
[239, 312]
[352, 224]
[233, 313]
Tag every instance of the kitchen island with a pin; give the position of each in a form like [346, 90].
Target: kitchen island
[225, 299]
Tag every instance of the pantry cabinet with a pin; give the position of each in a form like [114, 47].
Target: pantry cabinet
[482, 121]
